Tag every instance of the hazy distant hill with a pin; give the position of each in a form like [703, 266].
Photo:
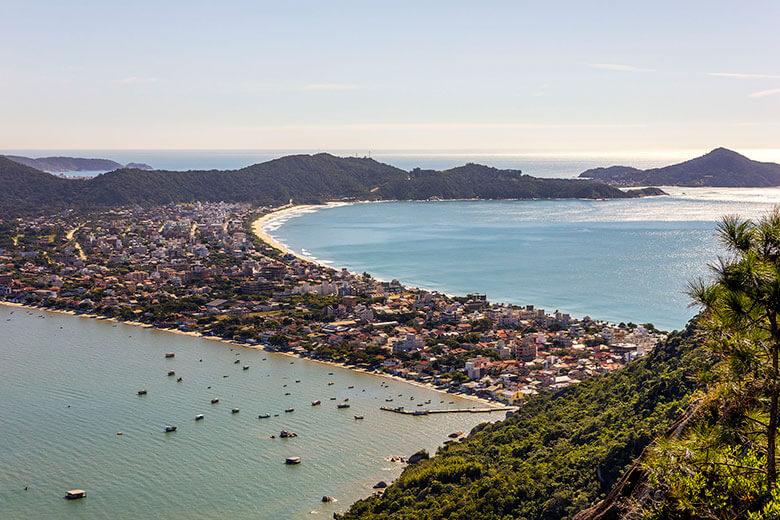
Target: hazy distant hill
[720, 167]
[302, 178]
[73, 164]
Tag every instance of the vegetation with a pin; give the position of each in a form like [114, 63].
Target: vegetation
[725, 464]
[558, 454]
[300, 178]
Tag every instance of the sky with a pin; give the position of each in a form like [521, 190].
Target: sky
[519, 76]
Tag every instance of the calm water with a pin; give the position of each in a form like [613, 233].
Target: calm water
[69, 384]
[619, 260]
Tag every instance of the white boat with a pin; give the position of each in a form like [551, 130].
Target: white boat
[199, 417]
[75, 493]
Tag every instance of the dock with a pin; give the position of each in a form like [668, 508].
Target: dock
[401, 410]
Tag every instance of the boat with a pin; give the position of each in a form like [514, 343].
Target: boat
[169, 429]
[234, 410]
[292, 460]
[171, 372]
[169, 355]
[179, 379]
[285, 434]
[142, 392]
[246, 367]
[287, 393]
[350, 387]
[289, 410]
[199, 417]
[342, 405]
[332, 398]
[237, 361]
[215, 400]
[330, 383]
[388, 400]
[455, 435]
[73, 494]
[346, 399]
[297, 380]
[264, 416]
[330, 373]
[358, 417]
[316, 403]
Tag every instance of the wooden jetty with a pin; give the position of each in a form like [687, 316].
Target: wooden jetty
[401, 410]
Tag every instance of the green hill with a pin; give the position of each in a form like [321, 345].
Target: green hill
[559, 454]
[302, 178]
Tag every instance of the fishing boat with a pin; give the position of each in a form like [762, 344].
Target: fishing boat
[237, 361]
[292, 460]
[234, 410]
[350, 387]
[215, 400]
[171, 372]
[358, 417]
[199, 417]
[264, 416]
[316, 403]
[342, 405]
[169, 355]
[169, 429]
[330, 383]
[246, 367]
[285, 434]
[289, 410]
[142, 392]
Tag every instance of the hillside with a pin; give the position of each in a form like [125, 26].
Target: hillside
[72, 164]
[559, 454]
[302, 178]
[719, 168]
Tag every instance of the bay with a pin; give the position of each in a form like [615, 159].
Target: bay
[69, 384]
[616, 260]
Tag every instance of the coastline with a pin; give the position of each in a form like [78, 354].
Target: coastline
[483, 402]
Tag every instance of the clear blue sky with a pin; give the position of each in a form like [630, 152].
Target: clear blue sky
[447, 75]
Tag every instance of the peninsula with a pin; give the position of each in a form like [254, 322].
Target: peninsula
[306, 179]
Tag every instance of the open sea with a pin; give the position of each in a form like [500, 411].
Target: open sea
[69, 384]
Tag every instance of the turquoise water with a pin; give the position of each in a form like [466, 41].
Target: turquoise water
[618, 260]
[69, 384]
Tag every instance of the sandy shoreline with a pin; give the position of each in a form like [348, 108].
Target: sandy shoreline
[484, 402]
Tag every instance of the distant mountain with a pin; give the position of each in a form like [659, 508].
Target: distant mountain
[301, 178]
[720, 167]
[73, 164]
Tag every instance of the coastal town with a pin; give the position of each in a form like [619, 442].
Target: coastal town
[203, 269]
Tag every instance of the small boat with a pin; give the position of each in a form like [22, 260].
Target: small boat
[291, 362]
[411, 398]
[297, 380]
[316, 403]
[287, 393]
[179, 380]
[330, 383]
[332, 398]
[234, 410]
[350, 387]
[346, 399]
[419, 404]
[246, 367]
[237, 361]
[292, 460]
[215, 400]
[285, 434]
[388, 400]
[455, 435]
[289, 410]
[199, 417]
[358, 417]
[171, 372]
[342, 405]
[169, 429]
[330, 373]
[169, 355]
[142, 392]
[73, 494]
[264, 416]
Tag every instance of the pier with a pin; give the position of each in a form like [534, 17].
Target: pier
[401, 410]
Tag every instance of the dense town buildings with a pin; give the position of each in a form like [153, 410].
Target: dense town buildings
[199, 268]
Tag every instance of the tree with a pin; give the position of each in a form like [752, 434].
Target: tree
[741, 314]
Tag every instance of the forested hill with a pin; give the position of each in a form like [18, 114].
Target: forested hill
[302, 178]
[720, 167]
[73, 164]
[559, 454]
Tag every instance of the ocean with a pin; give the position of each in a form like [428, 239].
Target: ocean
[615, 260]
[69, 384]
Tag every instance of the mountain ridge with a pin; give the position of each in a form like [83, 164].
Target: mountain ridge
[720, 167]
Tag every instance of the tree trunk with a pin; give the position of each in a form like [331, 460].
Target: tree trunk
[771, 430]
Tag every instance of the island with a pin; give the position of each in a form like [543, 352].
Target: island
[73, 164]
[718, 168]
